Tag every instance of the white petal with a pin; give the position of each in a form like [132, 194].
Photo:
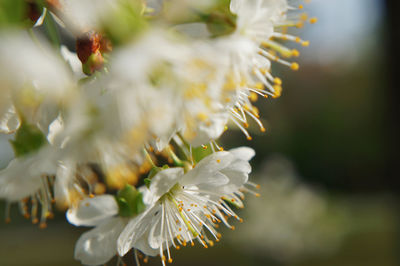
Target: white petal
[243, 153]
[92, 211]
[135, 230]
[22, 177]
[9, 120]
[163, 181]
[99, 245]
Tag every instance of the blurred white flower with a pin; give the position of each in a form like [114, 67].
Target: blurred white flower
[291, 219]
[34, 81]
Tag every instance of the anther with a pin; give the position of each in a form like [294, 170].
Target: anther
[42, 225]
[294, 66]
[305, 43]
[278, 81]
[313, 20]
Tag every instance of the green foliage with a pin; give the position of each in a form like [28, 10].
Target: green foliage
[27, 140]
[12, 12]
[130, 201]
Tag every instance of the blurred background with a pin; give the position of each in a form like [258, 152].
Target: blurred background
[327, 164]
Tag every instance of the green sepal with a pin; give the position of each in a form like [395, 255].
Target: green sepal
[130, 201]
[153, 172]
[147, 182]
[28, 139]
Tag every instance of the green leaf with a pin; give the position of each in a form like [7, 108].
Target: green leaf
[28, 139]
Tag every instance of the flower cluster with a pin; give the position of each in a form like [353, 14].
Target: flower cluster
[122, 128]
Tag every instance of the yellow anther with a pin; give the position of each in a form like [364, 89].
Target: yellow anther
[301, 6]
[91, 195]
[298, 39]
[233, 227]
[202, 117]
[146, 260]
[219, 235]
[249, 138]
[259, 86]
[263, 71]
[313, 20]
[258, 186]
[35, 220]
[304, 16]
[241, 220]
[169, 260]
[258, 195]
[42, 225]
[295, 53]
[218, 161]
[253, 96]
[8, 220]
[184, 243]
[263, 129]
[192, 244]
[278, 90]
[211, 243]
[305, 43]
[246, 125]
[294, 66]
[163, 258]
[277, 81]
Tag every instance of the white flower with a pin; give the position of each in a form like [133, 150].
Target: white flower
[182, 207]
[178, 87]
[253, 47]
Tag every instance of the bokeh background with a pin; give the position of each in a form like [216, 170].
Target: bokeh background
[327, 165]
